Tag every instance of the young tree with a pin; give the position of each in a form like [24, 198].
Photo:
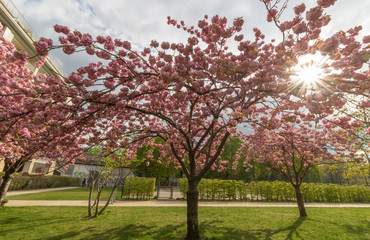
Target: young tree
[193, 95]
[110, 171]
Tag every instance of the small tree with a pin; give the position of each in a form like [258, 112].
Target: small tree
[110, 171]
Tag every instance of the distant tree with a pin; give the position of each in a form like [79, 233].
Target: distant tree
[290, 146]
[149, 163]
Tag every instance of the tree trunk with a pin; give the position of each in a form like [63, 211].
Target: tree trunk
[90, 206]
[5, 183]
[192, 211]
[302, 209]
[100, 189]
[108, 201]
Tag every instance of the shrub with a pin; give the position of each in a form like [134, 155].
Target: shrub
[216, 189]
[139, 188]
[24, 182]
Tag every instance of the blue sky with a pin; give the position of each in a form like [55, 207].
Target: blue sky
[140, 21]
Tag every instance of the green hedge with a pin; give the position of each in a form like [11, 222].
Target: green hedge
[276, 191]
[139, 188]
[24, 182]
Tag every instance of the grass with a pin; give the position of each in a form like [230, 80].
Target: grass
[69, 194]
[51, 223]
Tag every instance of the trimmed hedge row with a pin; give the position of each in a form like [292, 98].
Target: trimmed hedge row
[24, 182]
[139, 188]
[276, 191]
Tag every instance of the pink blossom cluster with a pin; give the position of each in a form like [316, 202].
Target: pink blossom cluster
[326, 3]
[42, 46]
[271, 14]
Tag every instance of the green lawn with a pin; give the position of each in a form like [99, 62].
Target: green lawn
[70, 194]
[51, 223]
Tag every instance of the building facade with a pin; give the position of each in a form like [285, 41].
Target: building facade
[17, 31]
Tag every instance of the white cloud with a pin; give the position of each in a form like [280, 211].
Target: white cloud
[140, 21]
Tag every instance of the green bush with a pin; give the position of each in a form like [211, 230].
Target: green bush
[216, 189]
[139, 188]
[24, 182]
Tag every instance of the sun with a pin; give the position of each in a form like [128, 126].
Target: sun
[309, 74]
[308, 71]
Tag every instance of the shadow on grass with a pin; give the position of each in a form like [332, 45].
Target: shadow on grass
[127, 232]
[208, 229]
[62, 236]
[217, 231]
[30, 224]
[362, 230]
[292, 230]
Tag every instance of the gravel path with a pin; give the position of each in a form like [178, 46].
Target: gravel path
[177, 203]
[14, 193]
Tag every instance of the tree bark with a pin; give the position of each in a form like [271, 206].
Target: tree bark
[192, 211]
[299, 196]
[5, 183]
[108, 201]
[100, 189]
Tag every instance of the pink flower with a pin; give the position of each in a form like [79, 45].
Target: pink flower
[39, 64]
[109, 46]
[61, 29]
[238, 23]
[325, 3]
[300, 28]
[69, 49]
[25, 133]
[271, 14]
[238, 38]
[299, 9]
[127, 45]
[90, 50]
[154, 44]
[86, 39]
[329, 45]
[366, 39]
[356, 124]
[165, 45]
[42, 46]
[21, 55]
[101, 39]
[314, 13]
[368, 131]
[286, 25]
[73, 37]
[109, 84]
[63, 40]
[193, 41]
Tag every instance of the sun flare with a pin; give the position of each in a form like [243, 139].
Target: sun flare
[308, 72]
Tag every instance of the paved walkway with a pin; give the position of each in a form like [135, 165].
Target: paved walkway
[14, 193]
[162, 202]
